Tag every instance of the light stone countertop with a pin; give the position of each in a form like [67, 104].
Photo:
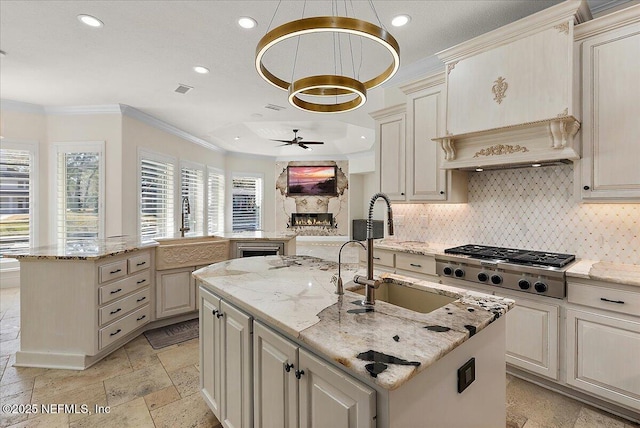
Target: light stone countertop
[411, 247]
[606, 271]
[92, 249]
[295, 295]
[257, 236]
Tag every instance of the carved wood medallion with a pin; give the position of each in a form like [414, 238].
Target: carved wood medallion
[501, 149]
[499, 88]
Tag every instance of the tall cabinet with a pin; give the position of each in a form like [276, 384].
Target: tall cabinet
[610, 60]
[408, 161]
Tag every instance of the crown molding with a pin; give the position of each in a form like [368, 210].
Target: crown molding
[424, 83]
[84, 110]
[607, 22]
[21, 107]
[396, 109]
[143, 117]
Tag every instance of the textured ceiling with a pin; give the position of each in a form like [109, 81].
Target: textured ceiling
[147, 48]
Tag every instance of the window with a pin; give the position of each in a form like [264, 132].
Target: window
[247, 200]
[215, 200]
[17, 192]
[156, 196]
[78, 192]
[193, 189]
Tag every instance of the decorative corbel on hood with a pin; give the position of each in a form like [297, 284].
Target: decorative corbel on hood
[542, 142]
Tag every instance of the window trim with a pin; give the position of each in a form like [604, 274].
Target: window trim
[259, 175]
[72, 147]
[144, 153]
[34, 183]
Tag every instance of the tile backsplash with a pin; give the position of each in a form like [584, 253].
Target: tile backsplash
[532, 208]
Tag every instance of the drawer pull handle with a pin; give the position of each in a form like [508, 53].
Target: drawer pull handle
[219, 315]
[299, 373]
[116, 291]
[141, 318]
[141, 263]
[612, 301]
[116, 311]
[141, 299]
[376, 258]
[116, 332]
[288, 367]
[141, 281]
[115, 271]
[415, 265]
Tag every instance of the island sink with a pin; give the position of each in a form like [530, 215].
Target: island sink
[406, 297]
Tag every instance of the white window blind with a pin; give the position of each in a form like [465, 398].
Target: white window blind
[247, 200]
[16, 224]
[193, 188]
[78, 195]
[156, 198]
[215, 201]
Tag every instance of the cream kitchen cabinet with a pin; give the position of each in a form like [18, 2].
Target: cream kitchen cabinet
[292, 387]
[403, 263]
[226, 361]
[175, 292]
[603, 341]
[610, 48]
[390, 151]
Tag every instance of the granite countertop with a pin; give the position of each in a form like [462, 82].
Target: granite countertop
[411, 247]
[257, 236]
[295, 295]
[91, 249]
[606, 271]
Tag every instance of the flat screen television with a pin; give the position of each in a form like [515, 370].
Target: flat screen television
[312, 181]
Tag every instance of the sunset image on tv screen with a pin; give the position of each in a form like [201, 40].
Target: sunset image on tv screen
[312, 180]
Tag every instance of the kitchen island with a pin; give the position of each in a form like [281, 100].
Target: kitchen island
[278, 346]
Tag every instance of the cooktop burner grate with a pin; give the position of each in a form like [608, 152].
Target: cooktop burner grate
[513, 255]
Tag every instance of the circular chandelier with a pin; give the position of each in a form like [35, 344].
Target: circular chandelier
[328, 85]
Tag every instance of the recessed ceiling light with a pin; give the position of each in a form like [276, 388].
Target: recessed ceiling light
[247, 22]
[535, 165]
[236, 138]
[363, 137]
[400, 20]
[200, 69]
[91, 21]
[479, 169]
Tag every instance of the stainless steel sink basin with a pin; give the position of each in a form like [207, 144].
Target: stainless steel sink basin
[410, 298]
[190, 251]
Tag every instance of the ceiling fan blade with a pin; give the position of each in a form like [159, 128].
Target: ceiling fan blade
[304, 147]
[285, 144]
[285, 141]
[314, 142]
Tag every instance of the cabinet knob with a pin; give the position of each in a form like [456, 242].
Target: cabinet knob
[442, 192]
[299, 373]
[586, 187]
[288, 367]
[219, 315]
[215, 311]
[402, 193]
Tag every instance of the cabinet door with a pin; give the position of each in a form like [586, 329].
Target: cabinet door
[237, 374]
[275, 387]
[611, 129]
[175, 292]
[328, 398]
[426, 181]
[210, 376]
[532, 337]
[391, 136]
[602, 356]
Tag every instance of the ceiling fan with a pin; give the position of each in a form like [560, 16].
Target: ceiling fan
[297, 140]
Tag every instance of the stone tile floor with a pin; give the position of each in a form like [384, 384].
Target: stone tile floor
[144, 387]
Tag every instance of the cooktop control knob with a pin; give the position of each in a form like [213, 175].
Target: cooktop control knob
[482, 276]
[524, 284]
[459, 273]
[496, 279]
[540, 287]
[447, 271]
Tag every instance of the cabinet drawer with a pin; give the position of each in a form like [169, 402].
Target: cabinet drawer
[609, 299]
[113, 270]
[125, 286]
[140, 262]
[384, 258]
[416, 263]
[126, 325]
[121, 307]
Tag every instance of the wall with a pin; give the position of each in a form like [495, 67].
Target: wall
[337, 205]
[531, 208]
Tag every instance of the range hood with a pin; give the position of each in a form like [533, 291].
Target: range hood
[511, 96]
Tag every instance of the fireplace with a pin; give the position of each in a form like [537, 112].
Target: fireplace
[312, 219]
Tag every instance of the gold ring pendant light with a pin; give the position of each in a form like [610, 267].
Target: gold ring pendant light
[326, 85]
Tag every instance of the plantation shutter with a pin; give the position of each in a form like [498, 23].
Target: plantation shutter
[215, 203]
[15, 199]
[156, 199]
[247, 199]
[193, 188]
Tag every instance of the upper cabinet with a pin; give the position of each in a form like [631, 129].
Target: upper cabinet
[408, 161]
[510, 93]
[610, 59]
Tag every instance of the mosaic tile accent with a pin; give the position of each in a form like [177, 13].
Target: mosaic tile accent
[531, 208]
